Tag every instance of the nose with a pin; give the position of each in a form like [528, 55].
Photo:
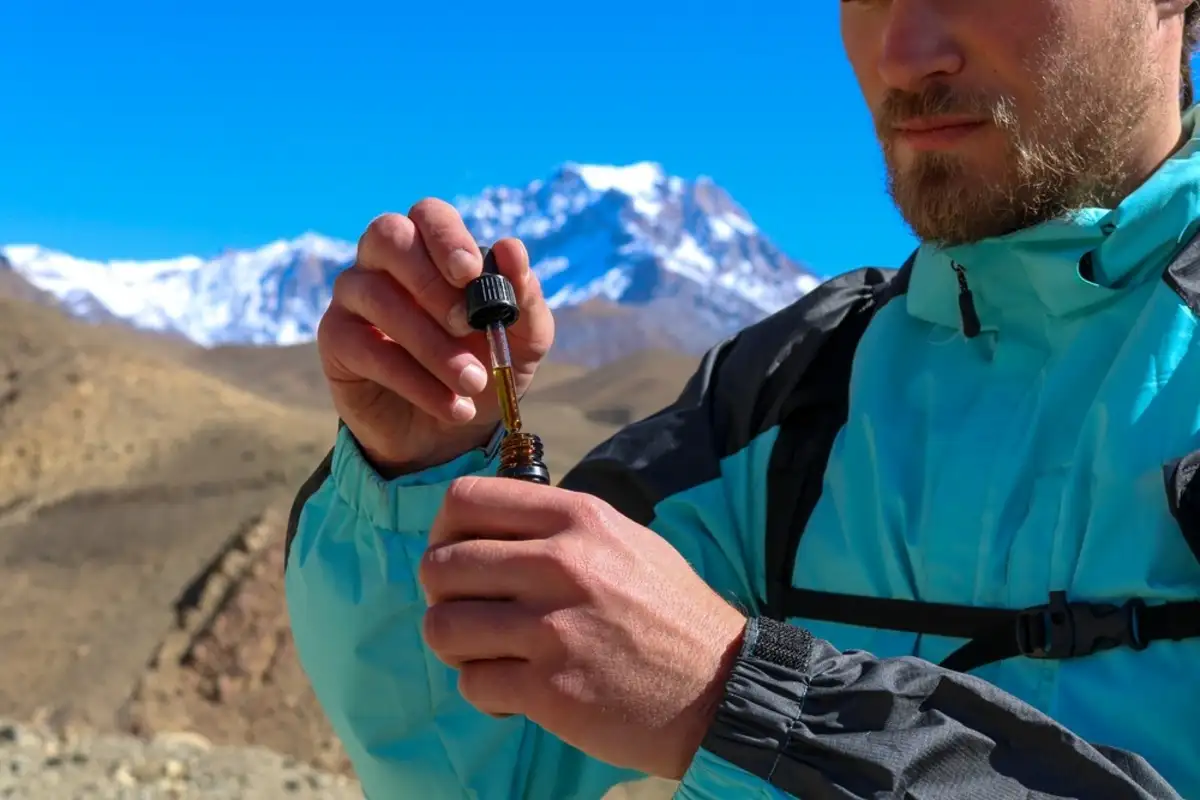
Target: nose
[918, 45]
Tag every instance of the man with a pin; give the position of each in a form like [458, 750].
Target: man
[1009, 421]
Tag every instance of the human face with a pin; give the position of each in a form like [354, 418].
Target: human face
[994, 115]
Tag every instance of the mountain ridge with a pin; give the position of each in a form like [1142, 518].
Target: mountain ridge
[682, 261]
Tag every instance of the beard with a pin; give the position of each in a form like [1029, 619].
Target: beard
[1073, 151]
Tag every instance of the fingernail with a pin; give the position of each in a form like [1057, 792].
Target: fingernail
[463, 409]
[472, 379]
[462, 266]
[456, 320]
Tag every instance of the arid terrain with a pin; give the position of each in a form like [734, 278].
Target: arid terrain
[144, 485]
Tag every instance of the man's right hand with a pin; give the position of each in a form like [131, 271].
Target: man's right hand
[409, 377]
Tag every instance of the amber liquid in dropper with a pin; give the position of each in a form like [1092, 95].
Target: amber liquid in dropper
[506, 393]
[502, 375]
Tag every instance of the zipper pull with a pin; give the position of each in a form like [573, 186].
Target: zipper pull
[966, 303]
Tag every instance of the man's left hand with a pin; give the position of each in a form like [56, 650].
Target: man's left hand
[553, 605]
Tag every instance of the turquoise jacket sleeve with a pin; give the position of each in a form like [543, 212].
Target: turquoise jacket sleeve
[356, 611]
[356, 608]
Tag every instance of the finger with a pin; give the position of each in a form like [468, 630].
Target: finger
[381, 301]
[393, 245]
[476, 507]
[357, 350]
[470, 630]
[449, 244]
[500, 687]
[485, 569]
[534, 329]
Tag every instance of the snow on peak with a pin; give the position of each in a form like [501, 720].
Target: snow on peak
[681, 252]
[636, 180]
[310, 244]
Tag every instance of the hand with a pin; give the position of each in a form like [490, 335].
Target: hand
[408, 376]
[553, 605]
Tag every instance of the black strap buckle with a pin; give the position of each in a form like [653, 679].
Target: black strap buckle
[1061, 629]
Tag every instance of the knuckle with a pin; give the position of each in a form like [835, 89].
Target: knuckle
[459, 490]
[426, 288]
[386, 233]
[374, 298]
[470, 685]
[587, 511]
[331, 330]
[326, 332]
[429, 209]
[554, 626]
[428, 570]
[343, 284]
[364, 294]
[566, 557]
[569, 682]
[440, 226]
[437, 627]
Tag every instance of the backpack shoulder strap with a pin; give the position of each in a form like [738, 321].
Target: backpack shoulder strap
[815, 412]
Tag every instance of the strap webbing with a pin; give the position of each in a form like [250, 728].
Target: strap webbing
[1060, 629]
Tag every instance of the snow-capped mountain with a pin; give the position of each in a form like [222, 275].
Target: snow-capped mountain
[272, 295]
[628, 256]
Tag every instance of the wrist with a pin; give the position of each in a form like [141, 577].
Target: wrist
[726, 648]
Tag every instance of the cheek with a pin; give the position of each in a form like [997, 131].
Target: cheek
[1022, 39]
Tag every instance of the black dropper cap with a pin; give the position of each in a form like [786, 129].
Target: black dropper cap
[490, 297]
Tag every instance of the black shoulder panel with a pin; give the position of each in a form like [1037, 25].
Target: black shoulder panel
[1183, 497]
[743, 387]
[1183, 274]
[768, 359]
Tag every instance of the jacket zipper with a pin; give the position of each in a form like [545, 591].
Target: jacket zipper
[966, 303]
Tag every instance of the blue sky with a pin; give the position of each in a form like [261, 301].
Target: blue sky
[149, 128]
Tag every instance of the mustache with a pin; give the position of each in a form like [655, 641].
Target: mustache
[934, 100]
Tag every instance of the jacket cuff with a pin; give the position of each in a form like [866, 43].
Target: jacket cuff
[408, 502]
[763, 697]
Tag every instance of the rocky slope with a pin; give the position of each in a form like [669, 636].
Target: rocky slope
[39, 763]
[144, 484]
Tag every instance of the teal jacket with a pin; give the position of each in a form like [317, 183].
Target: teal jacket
[982, 428]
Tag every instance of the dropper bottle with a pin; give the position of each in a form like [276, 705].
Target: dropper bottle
[492, 308]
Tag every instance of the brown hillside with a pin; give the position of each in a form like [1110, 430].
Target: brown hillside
[292, 374]
[121, 474]
[13, 286]
[623, 391]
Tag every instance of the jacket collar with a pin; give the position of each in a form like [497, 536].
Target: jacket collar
[1037, 271]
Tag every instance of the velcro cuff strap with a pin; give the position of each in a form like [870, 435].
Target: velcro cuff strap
[763, 697]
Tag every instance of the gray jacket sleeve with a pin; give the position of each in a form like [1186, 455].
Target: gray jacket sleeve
[818, 723]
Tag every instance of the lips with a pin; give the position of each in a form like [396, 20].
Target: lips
[936, 133]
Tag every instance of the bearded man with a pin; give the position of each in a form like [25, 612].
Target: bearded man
[930, 532]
